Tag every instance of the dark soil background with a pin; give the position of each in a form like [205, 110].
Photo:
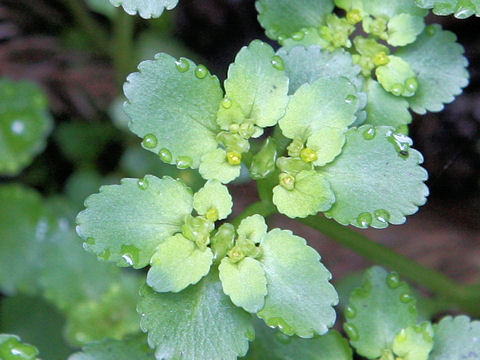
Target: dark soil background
[39, 41]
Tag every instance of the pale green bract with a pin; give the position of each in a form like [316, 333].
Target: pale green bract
[414, 342]
[257, 84]
[147, 9]
[213, 195]
[24, 124]
[369, 193]
[461, 9]
[253, 228]
[214, 165]
[438, 62]
[456, 338]
[134, 348]
[125, 223]
[244, 282]
[199, 323]
[403, 29]
[172, 105]
[299, 299]
[377, 311]
[284, 17]
[177, 263]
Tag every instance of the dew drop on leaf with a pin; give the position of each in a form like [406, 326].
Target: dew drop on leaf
[150, 141]
[382, 215]
[201, 71]
[350, 99]
[184, 162]
[182, 65]
[393, 280]
[142, 184]
[406, 298]
[165, 155]
[369, 134]
[226, 103]
[350, 312]
[281, 324]
[298, 36]
[397, 89]
[411, 84]
[17, 127]
[130, 254]
[364, 219]
[277, 63]
[351, 331]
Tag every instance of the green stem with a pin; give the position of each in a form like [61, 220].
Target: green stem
[264, 208]
[93, 29]
[465, 297]
[123, 54]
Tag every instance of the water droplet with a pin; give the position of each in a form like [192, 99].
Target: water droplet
[393, 280]
[411, 84]
[401, 336]
[277, 63]
[406, 298]
[369, 133]
[350, 99]
[201, 71]
[165, 155]
[150, 141]
[130, 254]
[281, 324]
[90, 241]
[142, 184]
[104, 255]
[401, 142]
[280, 38]
[397, 89]
[382, 215]
[184, 162]
[226, 103]
[182, 65]
[431, 30]
[234, 158]
[364, 219]
[298, 36]
[351, 331]
[350, 312]
[17, 127]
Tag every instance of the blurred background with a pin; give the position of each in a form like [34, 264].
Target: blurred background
[80, 65]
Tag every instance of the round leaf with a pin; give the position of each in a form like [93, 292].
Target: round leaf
[214, 165]
[125, 223]
[403, 29]
[376, 179]
[395, 77]
[300, 298]
[253, 228]
[147, 9]
[172, 105]
[177, 263]
[213, 195]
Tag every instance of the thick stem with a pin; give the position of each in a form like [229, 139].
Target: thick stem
[123, 54]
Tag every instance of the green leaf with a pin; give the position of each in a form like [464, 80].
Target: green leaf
[147, 9]
[325, 103]
[172, 105]
[178, 263]
[456, 338]
[381, 7]
[213, 195]
[244, 282]
[125, 223]
[312, 193]
[384, 108]
[377, 178]
[414, 342]
[377, 311]
[198, 323]
[300, 298]
[24, 124]
[214, 165]
[284, 17]
[253, 228]
[12, 348]
[403, 29]
[305, 37]
[135, 348]
[273, 345]
[113, 316]
[257, 83]
[438, 61]
[24, 225]
[462, 9]
[397, 77]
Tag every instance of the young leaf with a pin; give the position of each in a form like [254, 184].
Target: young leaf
[147, 9]
[397, 77]
[24, 224]
[377, 178]
[438, 61]
[253, 228]
[284, 17]
[258, 84]
[12, 348]
[456, 338]
[311, 193]
[414, 342]
[172, 105]
[244, 282]
[461, 9]
[382, 8]
[384, 108]
[24, 124]
[213, 200]
[215, 165]
[300, 298]
[125, 223]
[198, 323]
[377, 311]
[273, 345]
[177, 263]
[134, 348]
[404, 28]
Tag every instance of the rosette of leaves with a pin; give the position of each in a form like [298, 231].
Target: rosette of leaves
[405, 63]
[24, 124]
[147, 9]
[183, 115]
[461, 9]
[365, 176]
